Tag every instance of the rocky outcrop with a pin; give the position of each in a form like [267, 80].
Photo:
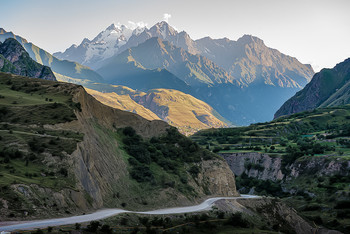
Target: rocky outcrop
[265, 167]
[260, 166]
[14, 59]
[219, 179]
[281, 217]
[320, 166]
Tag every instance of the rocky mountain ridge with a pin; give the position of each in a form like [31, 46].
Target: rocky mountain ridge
[248, 60]
[194, 70]
[103, 46]
[14, 59]
[243, 75]
[329, 87]
[62, 67]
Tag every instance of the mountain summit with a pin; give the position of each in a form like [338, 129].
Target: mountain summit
[251, 62]
[106, 44]
[116, 39]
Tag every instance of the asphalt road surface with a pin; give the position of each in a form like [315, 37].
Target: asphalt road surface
[105, 213]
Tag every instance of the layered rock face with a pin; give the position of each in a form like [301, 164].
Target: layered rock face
[260, 166]
[264, 167]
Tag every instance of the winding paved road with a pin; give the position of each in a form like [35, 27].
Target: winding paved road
[102, 214]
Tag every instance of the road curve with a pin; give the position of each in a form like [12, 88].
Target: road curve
[105, 213]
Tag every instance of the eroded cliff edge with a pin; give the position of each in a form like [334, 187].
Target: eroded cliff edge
[99, 169]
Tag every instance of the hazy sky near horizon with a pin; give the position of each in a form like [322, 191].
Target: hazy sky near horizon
[313, 31]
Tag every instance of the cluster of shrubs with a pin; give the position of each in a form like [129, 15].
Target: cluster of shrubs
[344, 142]
[304, 147]
[4, 111]
[254, 166]
[262, 187]
[170, 151]
[10, 153]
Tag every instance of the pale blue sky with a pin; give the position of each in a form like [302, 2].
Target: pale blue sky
[313, 31]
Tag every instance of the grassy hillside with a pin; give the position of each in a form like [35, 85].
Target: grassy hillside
[180, 110]
[314, 148]
[317, 126]
[122, 102]
[29, 153]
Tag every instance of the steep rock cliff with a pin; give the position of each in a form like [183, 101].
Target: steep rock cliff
[265, 167]
[97, 171]
[260, 166]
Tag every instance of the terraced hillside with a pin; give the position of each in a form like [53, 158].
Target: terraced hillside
[62, 152]
[303, 158]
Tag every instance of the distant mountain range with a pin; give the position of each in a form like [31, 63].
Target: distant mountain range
[247, 60]
[15, 60]
[244, 81]
[194, 70]
[60, 67]
[329, 87]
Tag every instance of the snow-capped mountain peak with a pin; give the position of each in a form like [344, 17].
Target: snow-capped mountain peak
[138, 30]
[163, 29]
[107, 43]
[112, 27]
[116, 38]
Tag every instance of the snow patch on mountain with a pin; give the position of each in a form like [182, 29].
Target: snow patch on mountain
[104, 45]
[107, 43]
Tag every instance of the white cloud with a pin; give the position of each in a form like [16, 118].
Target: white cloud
[166, 17]
[134, 25]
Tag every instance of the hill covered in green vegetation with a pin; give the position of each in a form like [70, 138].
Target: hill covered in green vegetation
[63, 152]
[303, 158]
